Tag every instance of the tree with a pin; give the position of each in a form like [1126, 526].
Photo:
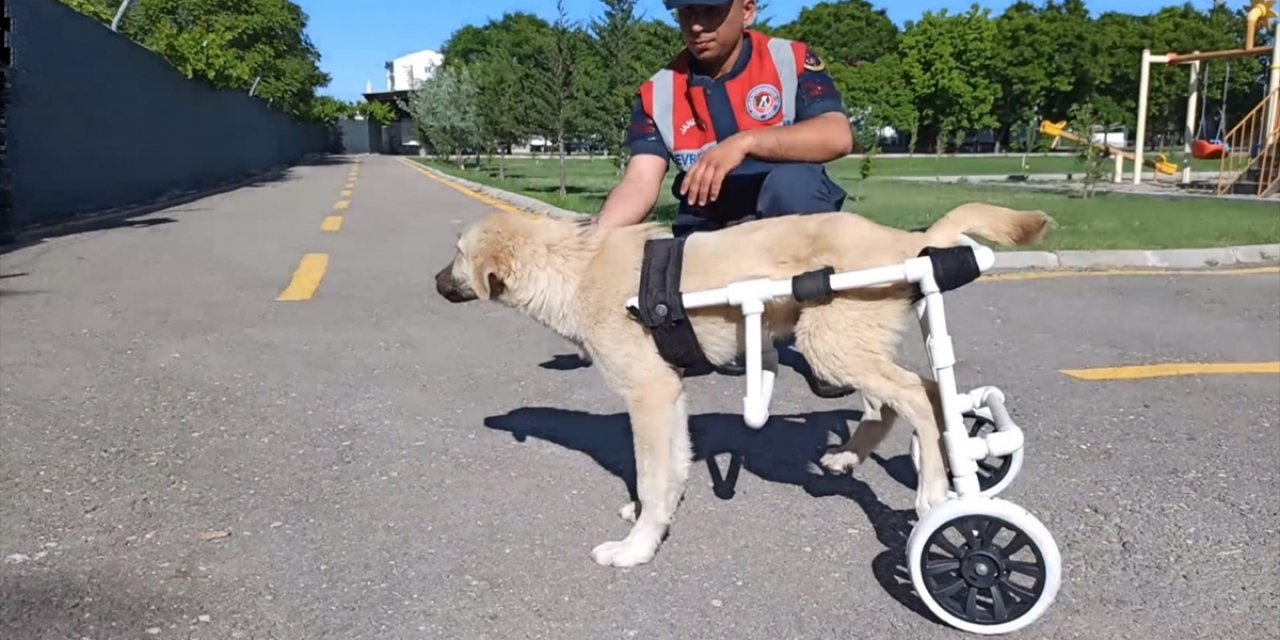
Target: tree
[615, 36]
[258, 45]
[329, 110]
[377, 112]
[499, 99]
[560, 77]
[876, 96]
[1027, 66]
[444, 111]
[846, 31]
[948, 61]
[1084, 121]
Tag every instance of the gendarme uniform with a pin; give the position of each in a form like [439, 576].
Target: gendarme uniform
[681, 112]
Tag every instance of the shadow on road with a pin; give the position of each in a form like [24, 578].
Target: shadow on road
[55, 604]
[785, 450]
[134, 215]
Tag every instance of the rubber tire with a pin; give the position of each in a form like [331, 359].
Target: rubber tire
[1014, 515]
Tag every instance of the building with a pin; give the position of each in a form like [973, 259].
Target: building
[403, 75]
[405, 72]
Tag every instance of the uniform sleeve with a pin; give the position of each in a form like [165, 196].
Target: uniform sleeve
[816, 92]
[642, 133]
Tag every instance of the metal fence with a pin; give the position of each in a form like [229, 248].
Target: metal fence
[93, 121]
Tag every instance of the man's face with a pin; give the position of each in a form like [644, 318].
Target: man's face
[711, 32]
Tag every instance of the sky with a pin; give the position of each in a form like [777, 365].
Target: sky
[355, 39]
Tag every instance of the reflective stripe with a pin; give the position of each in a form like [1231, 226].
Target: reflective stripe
[664, 106]
[784, 60]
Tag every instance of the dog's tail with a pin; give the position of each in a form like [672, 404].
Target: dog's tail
[1001, 225]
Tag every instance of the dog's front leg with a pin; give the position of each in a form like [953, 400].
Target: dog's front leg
[659, 425]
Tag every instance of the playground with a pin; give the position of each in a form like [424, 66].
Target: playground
[1246, 154]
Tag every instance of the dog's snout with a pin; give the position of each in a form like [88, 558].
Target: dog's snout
[443, 280]
[448, 287]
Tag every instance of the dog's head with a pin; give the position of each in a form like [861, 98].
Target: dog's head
[482, 262]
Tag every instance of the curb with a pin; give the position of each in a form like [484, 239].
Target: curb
[37, 231]
[1207, 258]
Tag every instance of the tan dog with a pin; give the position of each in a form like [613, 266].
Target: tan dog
[576, 280]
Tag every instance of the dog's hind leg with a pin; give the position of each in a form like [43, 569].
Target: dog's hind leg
[876, 423]
[851, 342]
[659, 425]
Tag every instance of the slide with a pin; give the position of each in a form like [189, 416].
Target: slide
[1059, 130]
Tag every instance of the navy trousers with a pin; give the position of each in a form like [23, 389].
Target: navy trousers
[784, 189]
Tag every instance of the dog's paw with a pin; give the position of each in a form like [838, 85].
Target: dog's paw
[628, 512]
[840, 461]
[928, 497]
[628, 552]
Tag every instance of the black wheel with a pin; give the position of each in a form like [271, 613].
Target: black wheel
[994, 473]
[983, 570]
[993, 469]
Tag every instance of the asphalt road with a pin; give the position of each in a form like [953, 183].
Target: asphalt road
[388, 465]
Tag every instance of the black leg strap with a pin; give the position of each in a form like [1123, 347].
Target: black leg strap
[812, 285]
[953, 267]
[661, 308]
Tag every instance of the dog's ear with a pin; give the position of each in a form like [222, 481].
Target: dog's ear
[489, 277]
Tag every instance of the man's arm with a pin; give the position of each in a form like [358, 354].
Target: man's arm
[634, 197]
[821, 132]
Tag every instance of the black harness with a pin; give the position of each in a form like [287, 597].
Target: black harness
[661, 304]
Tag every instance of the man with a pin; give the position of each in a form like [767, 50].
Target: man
[748, 120]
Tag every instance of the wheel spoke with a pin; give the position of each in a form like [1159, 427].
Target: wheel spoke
[998, 610]
[987, 466]
[971, 604]
[946, 545]
[951, 588]
[993, 529]
[1025, 568]
[1019, 541]
[941, 566]
[966, 530]
[1021, 593]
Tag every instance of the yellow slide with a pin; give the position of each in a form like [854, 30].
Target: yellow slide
[1058, 130]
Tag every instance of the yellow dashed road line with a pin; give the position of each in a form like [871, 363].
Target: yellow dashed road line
[1147, 371]
[342, 205]
[331, 223]
[306, 278]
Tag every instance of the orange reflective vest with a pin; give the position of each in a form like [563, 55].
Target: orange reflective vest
[762, 95]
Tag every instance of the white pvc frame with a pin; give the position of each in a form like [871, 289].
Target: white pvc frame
[963, 451]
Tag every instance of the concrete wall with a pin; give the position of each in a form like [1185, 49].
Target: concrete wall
[95, 121]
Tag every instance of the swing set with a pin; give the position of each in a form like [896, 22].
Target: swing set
[1214, 148]
[1263, 122]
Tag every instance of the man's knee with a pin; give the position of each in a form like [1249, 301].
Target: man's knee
[799, 188]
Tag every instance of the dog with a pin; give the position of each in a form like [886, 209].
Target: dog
[575, 278]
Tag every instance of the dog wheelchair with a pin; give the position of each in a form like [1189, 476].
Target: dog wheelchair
[963, 573]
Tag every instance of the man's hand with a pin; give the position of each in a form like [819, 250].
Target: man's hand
[702, 184]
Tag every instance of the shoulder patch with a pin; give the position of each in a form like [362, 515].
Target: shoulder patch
[812, 62]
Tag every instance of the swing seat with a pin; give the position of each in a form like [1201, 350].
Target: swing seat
[1203, 149]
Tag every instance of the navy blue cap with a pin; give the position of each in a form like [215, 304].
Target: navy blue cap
[676, 4]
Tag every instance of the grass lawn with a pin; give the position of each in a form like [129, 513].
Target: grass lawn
[1106, 221]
